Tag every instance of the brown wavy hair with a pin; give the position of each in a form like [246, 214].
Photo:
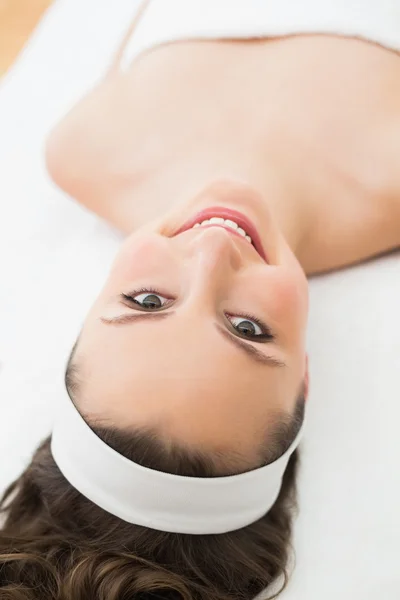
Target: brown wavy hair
[57, 545]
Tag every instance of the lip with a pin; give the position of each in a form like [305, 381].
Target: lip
[227, 213]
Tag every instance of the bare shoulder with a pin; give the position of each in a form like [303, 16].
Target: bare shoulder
[86, 152]
[355, 228]
[95, 152]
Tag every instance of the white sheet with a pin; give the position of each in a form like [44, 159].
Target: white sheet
[54, 257]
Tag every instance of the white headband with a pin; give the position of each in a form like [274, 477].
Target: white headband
[159, 500]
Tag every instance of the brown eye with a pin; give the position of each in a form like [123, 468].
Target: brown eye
[246, 327]
[151, 301]
[251, 328]
[147, 299]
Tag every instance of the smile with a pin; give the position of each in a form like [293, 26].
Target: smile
[229, 219]
[227, 223]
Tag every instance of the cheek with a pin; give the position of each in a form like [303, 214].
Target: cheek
[288, 298]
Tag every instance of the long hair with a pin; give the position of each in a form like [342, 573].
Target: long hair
[57, 545]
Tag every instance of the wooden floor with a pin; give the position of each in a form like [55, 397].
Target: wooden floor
[17, 20]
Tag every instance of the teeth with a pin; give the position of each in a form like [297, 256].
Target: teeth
[218, 220]
[231, 224]
[227, 223]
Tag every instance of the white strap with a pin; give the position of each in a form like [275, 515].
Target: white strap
[159, 500]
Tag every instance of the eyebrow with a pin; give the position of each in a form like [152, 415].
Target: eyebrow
[134, 318]
[251, 351]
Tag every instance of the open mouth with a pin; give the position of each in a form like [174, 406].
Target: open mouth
[234, 221]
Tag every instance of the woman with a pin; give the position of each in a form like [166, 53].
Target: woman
[287, 169]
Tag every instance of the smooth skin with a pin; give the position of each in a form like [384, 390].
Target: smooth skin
[302, 136]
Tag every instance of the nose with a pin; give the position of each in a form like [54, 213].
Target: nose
[215, 257]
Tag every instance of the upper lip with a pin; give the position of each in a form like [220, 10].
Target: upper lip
[227, 213]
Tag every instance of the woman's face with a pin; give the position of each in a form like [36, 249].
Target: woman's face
[195, 333]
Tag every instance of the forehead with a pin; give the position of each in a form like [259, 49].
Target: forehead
[187, 382]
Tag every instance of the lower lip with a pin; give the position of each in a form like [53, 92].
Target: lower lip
[233, 215]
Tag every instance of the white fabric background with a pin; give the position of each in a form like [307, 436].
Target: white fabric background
[54, 256]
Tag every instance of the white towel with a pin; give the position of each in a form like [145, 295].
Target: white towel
[171, 20]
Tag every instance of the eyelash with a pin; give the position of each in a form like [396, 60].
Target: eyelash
[267, 334]
[149, 290]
